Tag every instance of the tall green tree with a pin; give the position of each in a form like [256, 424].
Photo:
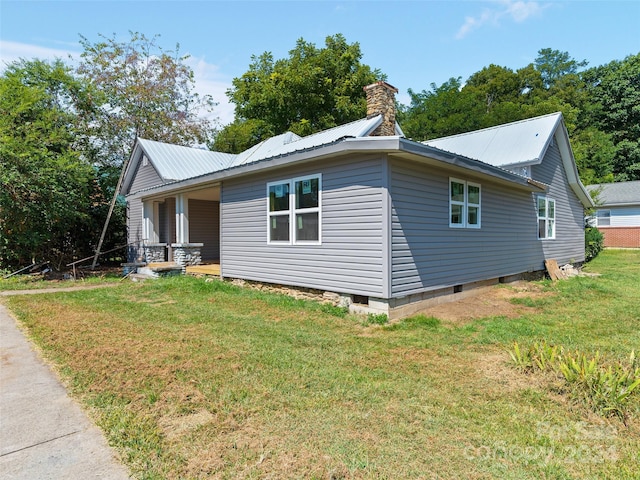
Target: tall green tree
[614, 91]
[442, 110]
[554, 64]
[46, 187]
[311, 90]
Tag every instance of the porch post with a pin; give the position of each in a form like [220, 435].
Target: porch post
[150, 216]
[153, 251]
[182, 219]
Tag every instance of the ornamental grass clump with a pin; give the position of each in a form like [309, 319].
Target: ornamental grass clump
[608, 389]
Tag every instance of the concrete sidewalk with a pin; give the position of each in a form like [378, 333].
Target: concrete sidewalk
[44, 434]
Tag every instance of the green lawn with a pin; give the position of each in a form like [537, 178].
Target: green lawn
[195, 379]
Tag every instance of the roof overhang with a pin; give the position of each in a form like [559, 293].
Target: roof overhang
[396, 146]
[562, 139]
[132, 165]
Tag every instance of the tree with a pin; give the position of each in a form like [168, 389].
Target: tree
[614, 91]
[145, 91]
[443, 110]
[242, 135]
[313, 89]
[46, 187]
[554, 64]
[594, 152]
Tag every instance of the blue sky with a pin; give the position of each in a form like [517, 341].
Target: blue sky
[415, 43]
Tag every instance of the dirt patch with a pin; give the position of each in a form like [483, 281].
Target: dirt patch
[174, 427]
[512, 301]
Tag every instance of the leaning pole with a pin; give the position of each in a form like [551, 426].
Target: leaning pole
[111, 207]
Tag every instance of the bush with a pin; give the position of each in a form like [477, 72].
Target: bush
[593, 243]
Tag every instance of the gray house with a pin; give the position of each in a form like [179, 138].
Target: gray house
[617, 213]
[386, 222]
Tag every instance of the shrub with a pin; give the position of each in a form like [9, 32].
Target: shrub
[593, 243]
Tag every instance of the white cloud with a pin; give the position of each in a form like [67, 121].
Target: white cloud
[12, 51]
[517, 11]
[210, 81]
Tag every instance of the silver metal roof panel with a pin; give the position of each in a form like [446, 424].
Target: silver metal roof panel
[277, 146]
[175, 162]
[517, 143]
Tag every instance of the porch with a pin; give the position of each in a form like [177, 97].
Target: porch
[183, 228]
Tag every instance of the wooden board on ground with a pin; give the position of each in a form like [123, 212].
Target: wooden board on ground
[213, 269]
[554, 271]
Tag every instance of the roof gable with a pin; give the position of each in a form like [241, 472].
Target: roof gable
[173, 162]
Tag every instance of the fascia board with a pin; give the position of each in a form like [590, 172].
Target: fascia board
[562, 138]
[132, 165]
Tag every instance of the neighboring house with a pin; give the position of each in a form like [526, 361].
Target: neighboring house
[617, 213]
[386, 222]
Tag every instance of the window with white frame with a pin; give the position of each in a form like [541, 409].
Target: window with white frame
[603, 218]
[546, 218]
[294, 209]
[464, 204]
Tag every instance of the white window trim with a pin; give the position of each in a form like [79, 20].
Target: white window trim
[598, 217]
[546, 217]
[465, 204]
[292, 211]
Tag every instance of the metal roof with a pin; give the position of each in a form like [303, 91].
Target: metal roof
[284, 145]
[175, 162]
[620, 193]
[523, 142]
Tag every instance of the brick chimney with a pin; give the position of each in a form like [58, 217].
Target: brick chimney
[381, 99]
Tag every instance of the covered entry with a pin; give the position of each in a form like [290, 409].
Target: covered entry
[184, 227]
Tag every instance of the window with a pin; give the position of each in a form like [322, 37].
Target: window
[464, 204]
[603, 218]
[294, 210]
[546, 218]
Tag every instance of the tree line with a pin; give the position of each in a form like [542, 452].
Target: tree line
[66, 131]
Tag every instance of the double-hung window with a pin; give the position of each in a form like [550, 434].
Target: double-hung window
[294, 210]
[464, 204]
[546, 218]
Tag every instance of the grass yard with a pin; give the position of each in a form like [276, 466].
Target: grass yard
[195, 379]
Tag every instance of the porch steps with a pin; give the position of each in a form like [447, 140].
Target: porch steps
[213, 269]
[161, 269]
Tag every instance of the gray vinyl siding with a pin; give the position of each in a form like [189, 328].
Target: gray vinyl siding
[204, 220]
[134, 228]
[427, 254]
[350, 257]
[145, 177]
[568, 246]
